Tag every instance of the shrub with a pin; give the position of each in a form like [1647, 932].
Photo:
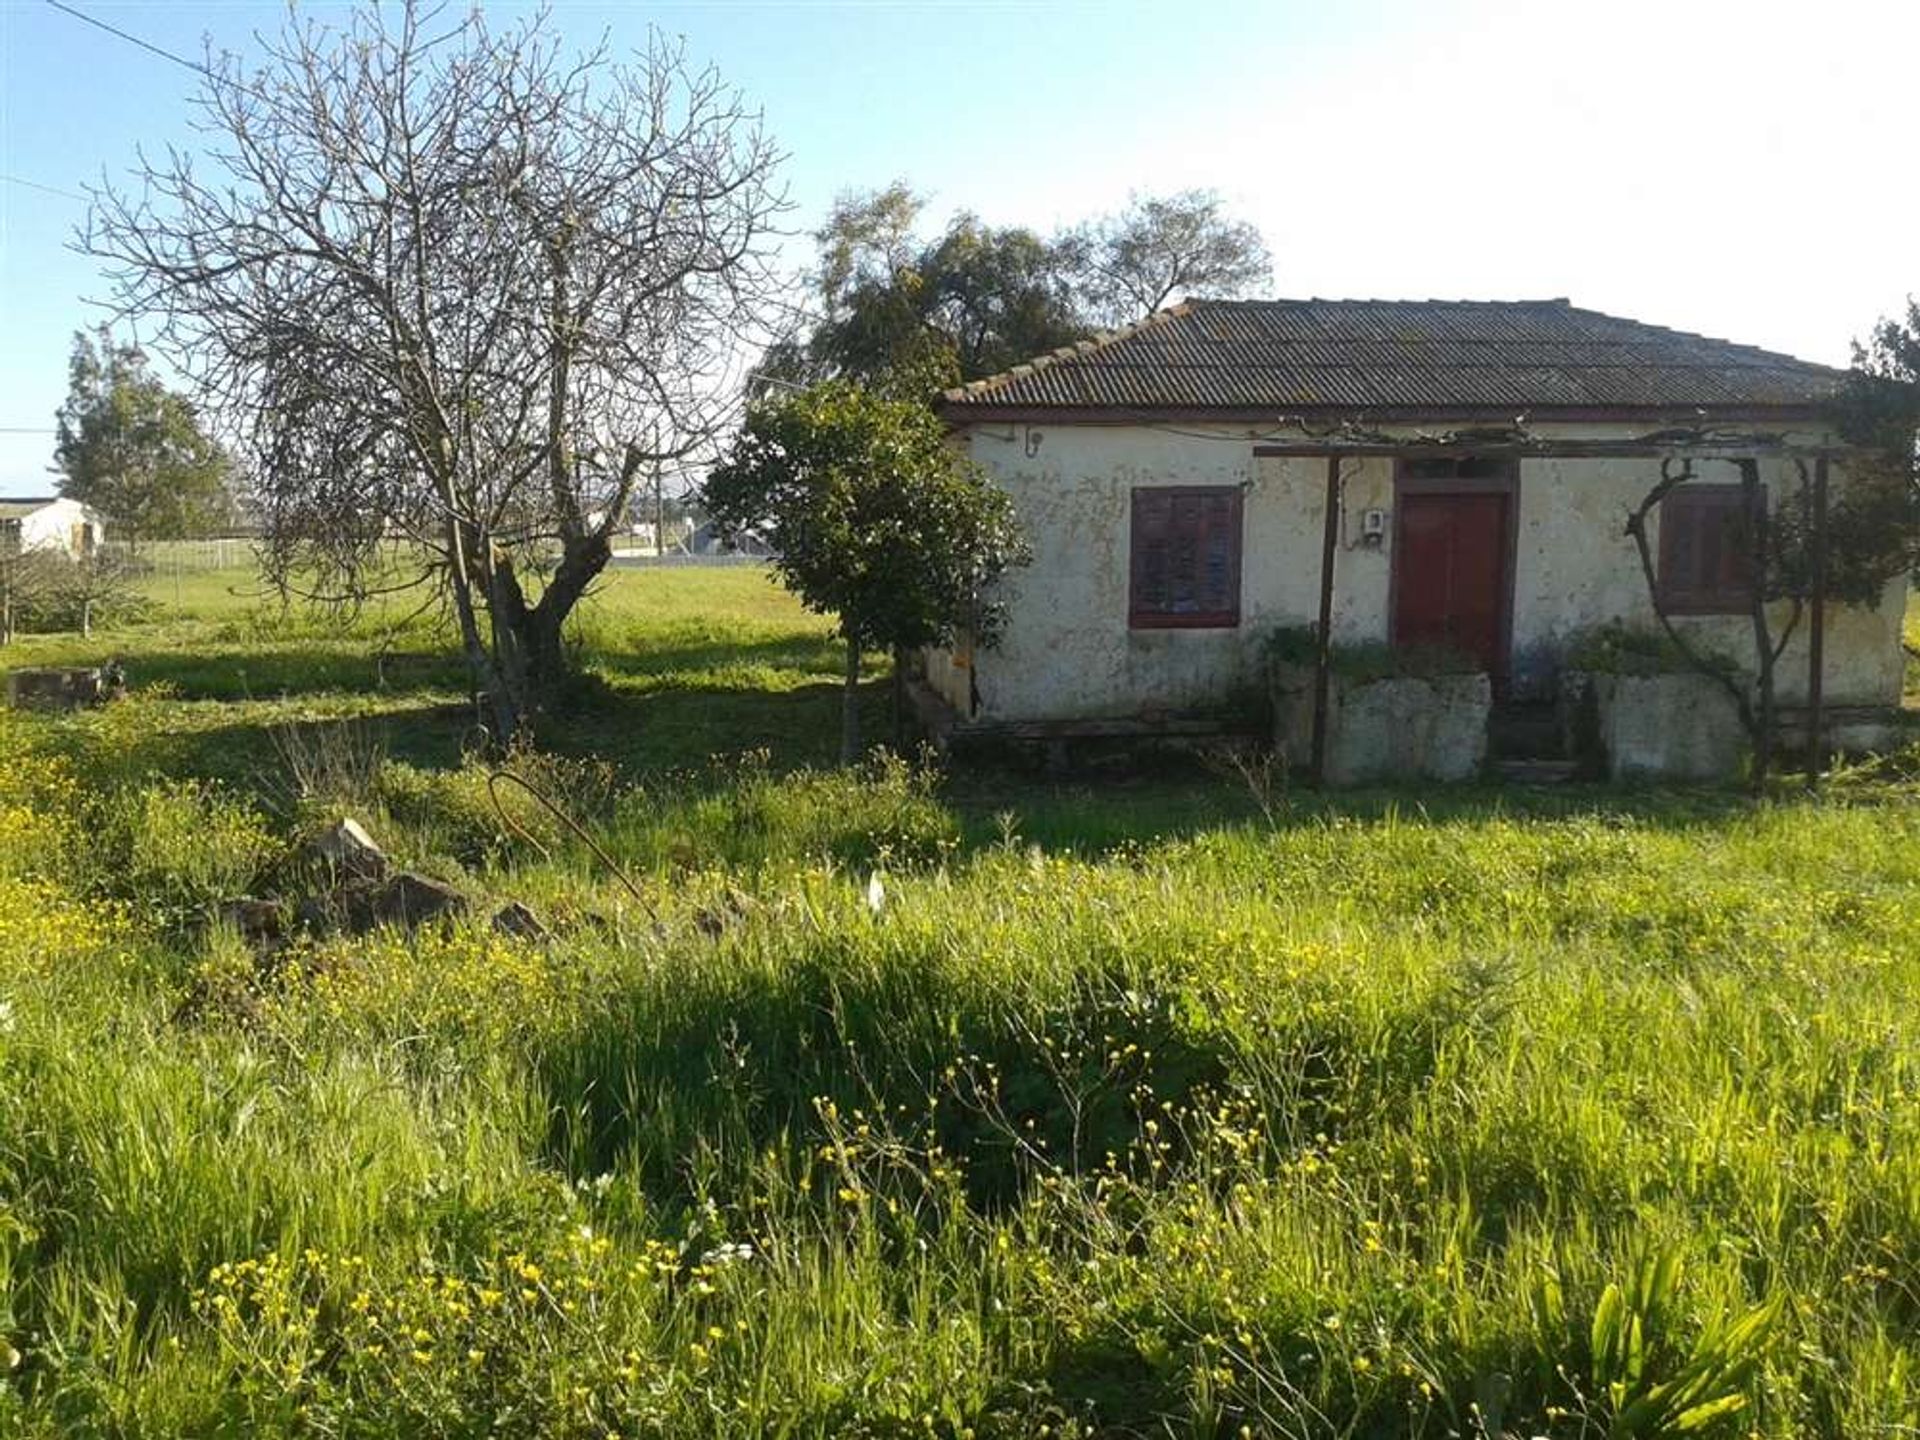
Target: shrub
[1362, 661]
[1616, 649]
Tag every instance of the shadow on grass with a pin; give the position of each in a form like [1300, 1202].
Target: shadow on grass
[694, 700]
[235, 672]
[669, 727]
[784, 653]
[246, 753]
[1174, 796]
[712, 1066]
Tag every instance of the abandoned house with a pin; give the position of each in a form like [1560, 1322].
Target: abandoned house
[1421, 473]
[50, 523]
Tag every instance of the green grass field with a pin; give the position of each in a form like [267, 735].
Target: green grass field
[1162, 1105]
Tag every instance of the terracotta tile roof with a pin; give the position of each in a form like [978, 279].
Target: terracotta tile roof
[1400, 355]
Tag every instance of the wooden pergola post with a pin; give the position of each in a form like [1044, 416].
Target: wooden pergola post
[1323, 647]
[1817, 635]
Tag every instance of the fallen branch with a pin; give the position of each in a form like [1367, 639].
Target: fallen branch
[496, 776]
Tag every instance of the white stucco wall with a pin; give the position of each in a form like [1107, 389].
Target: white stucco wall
[1068, 653]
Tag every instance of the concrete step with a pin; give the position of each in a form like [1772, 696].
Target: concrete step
[1535, 772]
[1525, 732]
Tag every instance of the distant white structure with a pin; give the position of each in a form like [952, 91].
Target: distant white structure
[50, 522]
[706, 539]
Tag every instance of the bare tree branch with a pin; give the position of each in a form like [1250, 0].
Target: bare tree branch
[450, 287]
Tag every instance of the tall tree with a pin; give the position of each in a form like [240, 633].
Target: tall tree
[912, 315]
[1127, 266]
[456, 286]
[133, 449]
[873, 518]
[999, 296]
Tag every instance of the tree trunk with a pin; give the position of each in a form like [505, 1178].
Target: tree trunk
[1765, 725]
[507, 627]
[850, 707]
[488, 689]
[581, 562]
[86, 619]
[901, 736]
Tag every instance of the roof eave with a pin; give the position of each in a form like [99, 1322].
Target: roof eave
[957, 413]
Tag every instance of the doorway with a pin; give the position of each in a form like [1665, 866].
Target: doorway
[1453, 558]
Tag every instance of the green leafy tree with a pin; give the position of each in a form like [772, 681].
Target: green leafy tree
[913, 316]
[133, 449]
[874, 518]
[999, 297]
[1874, 527]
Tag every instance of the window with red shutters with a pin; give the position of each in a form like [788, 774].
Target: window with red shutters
[1185, 558]
[1705, 564]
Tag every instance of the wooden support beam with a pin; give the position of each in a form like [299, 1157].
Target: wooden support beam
[1817, 635]
[1323, 649]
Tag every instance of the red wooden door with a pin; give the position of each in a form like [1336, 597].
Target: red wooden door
[1450, 574]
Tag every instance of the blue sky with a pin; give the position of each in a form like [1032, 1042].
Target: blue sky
[1738, 167]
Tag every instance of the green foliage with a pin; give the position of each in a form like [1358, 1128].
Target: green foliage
[133, 449]
[50, 590]
[1619, 649]
[1371, 660]
[1873, 522]
[872, 516]
[913, 315]
[1106, 1112]
[1652, 1385]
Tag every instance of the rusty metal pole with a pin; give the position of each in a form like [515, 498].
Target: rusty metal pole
[1817, 637]
[1323, 648]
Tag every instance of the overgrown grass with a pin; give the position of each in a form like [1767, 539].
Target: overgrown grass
[892, 1106]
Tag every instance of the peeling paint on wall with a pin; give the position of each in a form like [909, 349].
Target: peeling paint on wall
[1068, 652]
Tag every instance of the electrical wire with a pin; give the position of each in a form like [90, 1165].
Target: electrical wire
[46, 189]
[146, 45]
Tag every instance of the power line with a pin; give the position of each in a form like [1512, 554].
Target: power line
[146, 45]
[49, 189]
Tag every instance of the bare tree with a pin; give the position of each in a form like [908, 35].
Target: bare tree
[27, 579]
[454, 287]
[1161, 246]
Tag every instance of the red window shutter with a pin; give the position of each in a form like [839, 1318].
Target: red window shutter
[1152, 551]
[1185, 566]
[1704, 555]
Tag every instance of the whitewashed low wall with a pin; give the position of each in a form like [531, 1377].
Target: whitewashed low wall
[1680, 726]
[1403, 727]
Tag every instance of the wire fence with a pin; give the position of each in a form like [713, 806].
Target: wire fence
[194, 557]
[672, 560]
[170, 559]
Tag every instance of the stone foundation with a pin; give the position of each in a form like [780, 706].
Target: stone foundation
[1403, 727]
[1680, 726]
[64, 689]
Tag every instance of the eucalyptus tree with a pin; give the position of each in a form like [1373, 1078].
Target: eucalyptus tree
[459, 287]
[911, 314]
[133, 449]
